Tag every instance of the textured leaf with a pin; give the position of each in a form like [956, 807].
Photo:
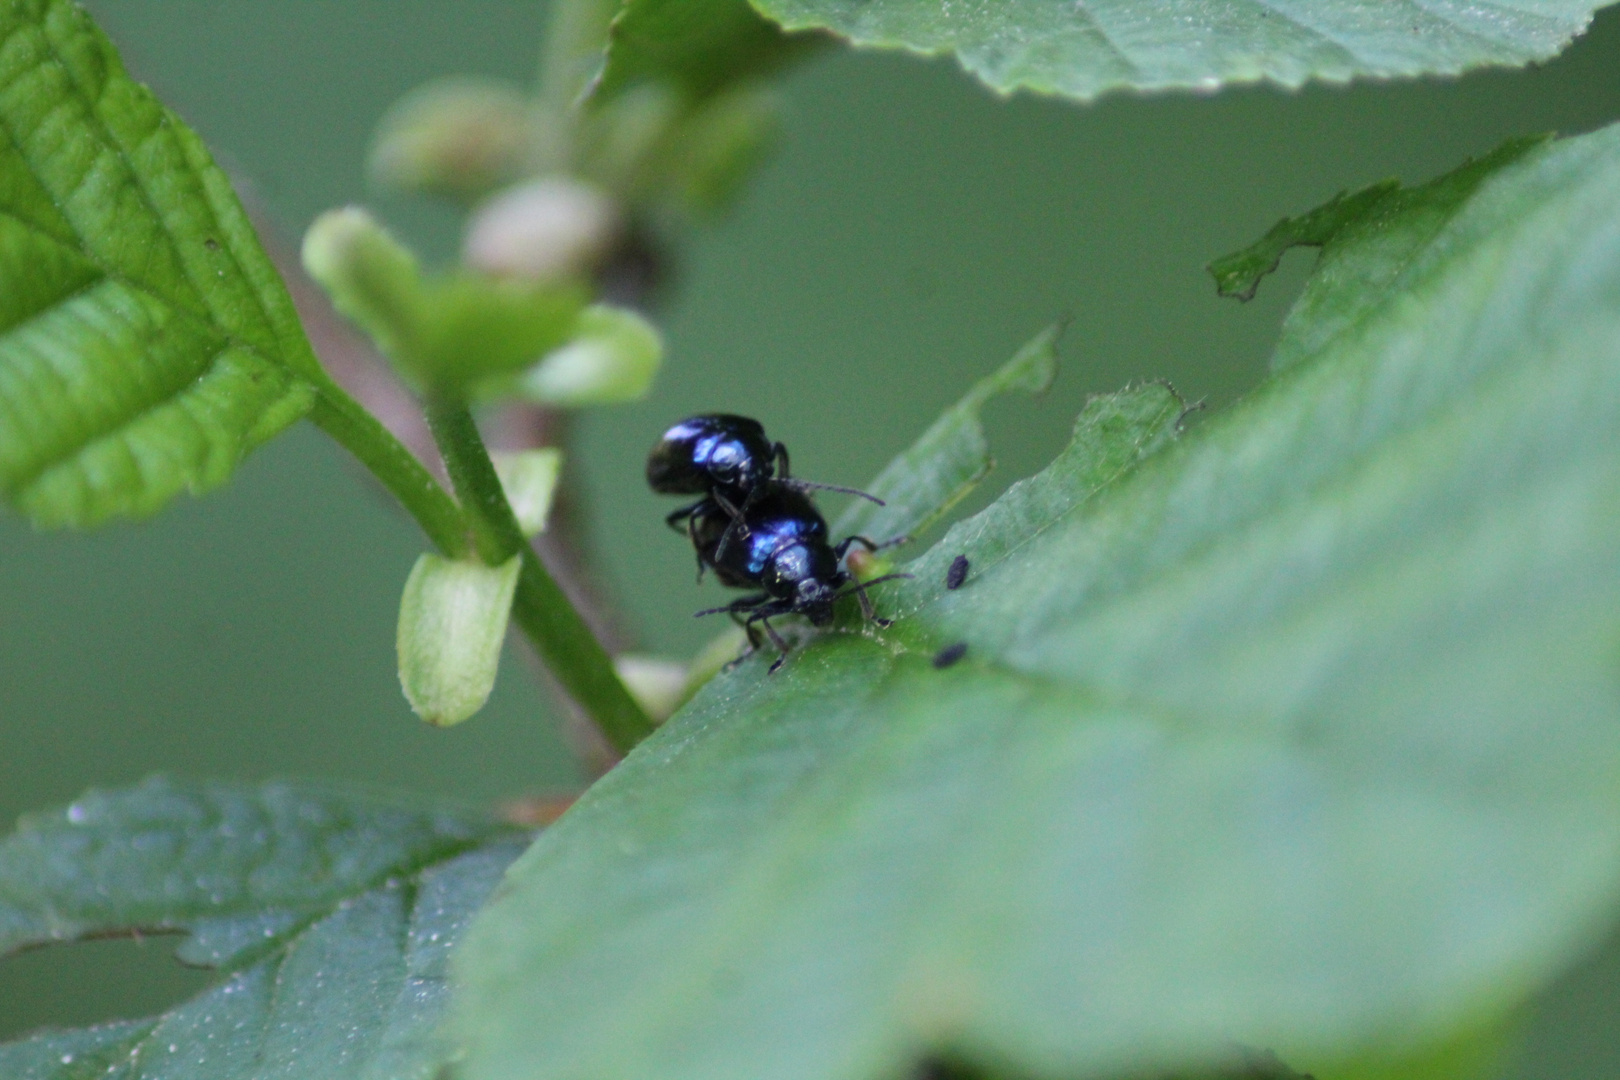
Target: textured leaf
[696, 46]
[1085, 48]
[330, 915]
[146, 342]
[948, 461]
[1302, 730]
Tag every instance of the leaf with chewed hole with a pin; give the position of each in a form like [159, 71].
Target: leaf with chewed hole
[952, 456]
[1299, 730]
[1367, 240]
[329, 913]
[146, 341]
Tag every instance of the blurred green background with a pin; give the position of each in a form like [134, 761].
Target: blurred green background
[911, 232]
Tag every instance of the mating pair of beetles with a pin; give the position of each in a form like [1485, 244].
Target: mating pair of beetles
[754, 524]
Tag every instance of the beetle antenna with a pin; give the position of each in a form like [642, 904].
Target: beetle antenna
[862, 586]
[806, 485]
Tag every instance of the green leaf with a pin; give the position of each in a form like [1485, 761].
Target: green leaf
[612, 359]
[1086, 48]
[1368, 241]
[445, 331]
[1302, 730]
[698, 47]
[146, 342]
[952, 456]
[329, 913]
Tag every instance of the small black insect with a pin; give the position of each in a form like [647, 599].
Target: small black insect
[781, 549]
[727, 460]
[957, 573]
[950, 654]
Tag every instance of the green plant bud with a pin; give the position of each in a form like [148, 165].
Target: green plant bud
[623, 144]
[657, 684]
[613, 359]
[718, 145]
[461, 137]
[372, 279]
[452, 620]
[546, 229]
[530, 480]
[475, 326]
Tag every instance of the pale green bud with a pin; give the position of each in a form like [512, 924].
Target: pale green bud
[530, 480]
[452, 621]
[554, 227]
[372, 279]
[657, 684]
[612, 359]
[458, 136]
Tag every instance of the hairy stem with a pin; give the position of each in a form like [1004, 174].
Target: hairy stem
[558, 632]
[364, 436]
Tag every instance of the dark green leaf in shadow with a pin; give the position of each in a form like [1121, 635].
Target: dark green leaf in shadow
[146, 342]
[1371, 241]
[698, 47]
[948, 461]
[1301, 730]
[1088, 47]
[329, 913]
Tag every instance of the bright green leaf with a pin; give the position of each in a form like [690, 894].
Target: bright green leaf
[146, 342]
[444, 331]
[948, 461]
[1085, 48]
[529, 478]
[452, 622]
[612, 359]
[695, 46]
[1302, 730]
[478, 326]
[329, 913]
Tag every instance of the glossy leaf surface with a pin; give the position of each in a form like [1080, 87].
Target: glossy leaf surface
[146, 342]
[1299, 730]
[329, 913]
[1089, 47]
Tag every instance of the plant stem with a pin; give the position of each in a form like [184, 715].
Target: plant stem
[364, 436]
[556, 629]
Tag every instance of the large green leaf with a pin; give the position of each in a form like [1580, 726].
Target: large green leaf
[1302, 730]
[330, 915]
[1085, 48]
[146, 342]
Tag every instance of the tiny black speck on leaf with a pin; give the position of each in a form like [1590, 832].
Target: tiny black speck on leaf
[957, 573]
[950, 654]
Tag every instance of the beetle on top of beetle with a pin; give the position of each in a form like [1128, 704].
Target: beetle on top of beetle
[755, 525]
